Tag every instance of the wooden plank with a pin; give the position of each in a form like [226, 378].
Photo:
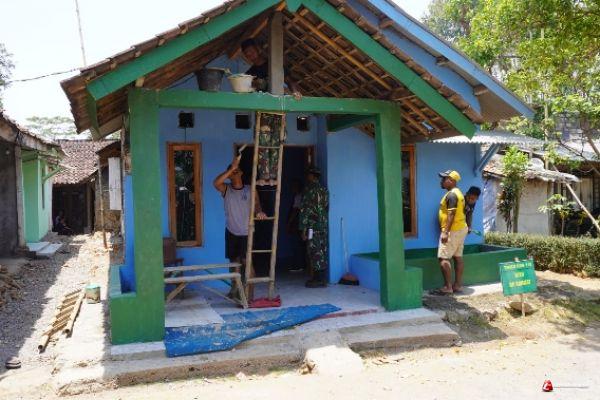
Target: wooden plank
[276, 76]
[114, 183]
[201, 278]
[262, 279]
[343, 52]
[186, 268]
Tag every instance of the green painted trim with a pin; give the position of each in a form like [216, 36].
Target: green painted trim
[337, 123]
[90, 105]
[52, 173]
[178, 98]
[161, 56]
[142, 318]
[293, 5]
[391, 64]
[399, 288]
[481, 261]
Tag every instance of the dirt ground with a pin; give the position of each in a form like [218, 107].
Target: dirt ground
[502, 354]
[81, 260]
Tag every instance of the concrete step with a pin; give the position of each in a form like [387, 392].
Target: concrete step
[110, 374]
[34, 247]
[48, 251]
[344, 324]
[250, 357]
[426, 335]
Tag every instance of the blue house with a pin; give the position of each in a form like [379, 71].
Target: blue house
[377, 88]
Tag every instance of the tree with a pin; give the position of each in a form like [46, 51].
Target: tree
[560, 206]
[514, 165]
[547, 51]
[57, 127]
[451, 19]
[6, 67]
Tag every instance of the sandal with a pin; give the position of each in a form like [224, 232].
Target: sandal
[440, 292]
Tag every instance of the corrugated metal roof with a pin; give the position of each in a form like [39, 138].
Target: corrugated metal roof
[494, 137]
[534, 172]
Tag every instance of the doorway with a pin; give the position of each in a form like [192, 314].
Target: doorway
[290, 250]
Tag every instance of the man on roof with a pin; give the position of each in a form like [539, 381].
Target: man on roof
[260, 69]
[454, 229]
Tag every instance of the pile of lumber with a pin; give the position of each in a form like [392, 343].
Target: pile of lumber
[10, 289]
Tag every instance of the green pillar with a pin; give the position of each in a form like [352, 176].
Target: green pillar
[401, 287]
[141, 318]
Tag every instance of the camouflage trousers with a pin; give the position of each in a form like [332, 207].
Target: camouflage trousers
[318, 251]
[269, 136]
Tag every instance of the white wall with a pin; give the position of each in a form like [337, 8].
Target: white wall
[535, 194]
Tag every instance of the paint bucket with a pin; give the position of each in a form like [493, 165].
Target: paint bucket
[241, 83]
[209, 79]
[92, 293]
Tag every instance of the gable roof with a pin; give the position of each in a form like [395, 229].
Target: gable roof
[11, 131]
[80, 161]
[322, 61]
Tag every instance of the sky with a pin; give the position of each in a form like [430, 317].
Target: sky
[42, 37]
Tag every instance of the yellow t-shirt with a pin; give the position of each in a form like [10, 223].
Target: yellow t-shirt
[460, 220]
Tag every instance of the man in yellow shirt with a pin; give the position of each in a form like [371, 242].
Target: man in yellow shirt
[453, 227]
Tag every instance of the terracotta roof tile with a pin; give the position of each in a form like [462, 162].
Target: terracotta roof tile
[80, 160]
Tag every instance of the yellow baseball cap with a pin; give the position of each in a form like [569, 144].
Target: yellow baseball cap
[454, 175]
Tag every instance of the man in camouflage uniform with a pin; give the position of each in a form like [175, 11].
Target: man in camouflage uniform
[314, 227]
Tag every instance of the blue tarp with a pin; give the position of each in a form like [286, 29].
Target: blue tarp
[238, 327]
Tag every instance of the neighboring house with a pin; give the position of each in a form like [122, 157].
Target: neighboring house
[588, 171]
[27, 165]
[540, 184]
[362, 66]
[77, 186]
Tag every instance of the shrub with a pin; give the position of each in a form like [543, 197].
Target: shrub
[556, 253]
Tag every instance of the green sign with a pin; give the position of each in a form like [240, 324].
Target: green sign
[518, 277]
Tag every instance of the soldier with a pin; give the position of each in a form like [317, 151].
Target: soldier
[314, 227]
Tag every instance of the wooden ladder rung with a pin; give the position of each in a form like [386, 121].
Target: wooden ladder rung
[185, 268]
[201, 278]
[262, 251]
[259, 280]
[268, 147]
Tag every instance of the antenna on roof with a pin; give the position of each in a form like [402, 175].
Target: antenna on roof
[80, 33]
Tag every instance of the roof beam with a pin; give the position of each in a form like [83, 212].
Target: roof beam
[160, 56]
[339, 122]
[480, 89]
[391, 64]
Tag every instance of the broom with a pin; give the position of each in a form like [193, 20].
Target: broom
[347, 278]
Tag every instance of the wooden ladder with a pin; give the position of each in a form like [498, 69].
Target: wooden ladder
[274, 144]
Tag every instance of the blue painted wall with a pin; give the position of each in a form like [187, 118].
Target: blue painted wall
[349, 172]
[348, 162]
[352, 184]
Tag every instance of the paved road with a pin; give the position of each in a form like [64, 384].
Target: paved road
[491, 370]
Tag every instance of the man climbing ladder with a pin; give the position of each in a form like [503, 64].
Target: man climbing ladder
[269, 136]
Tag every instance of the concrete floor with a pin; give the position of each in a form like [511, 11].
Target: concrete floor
[201, 307]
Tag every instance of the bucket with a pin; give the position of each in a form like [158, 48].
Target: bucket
[241, 83]
[209, 79]
[92, 293]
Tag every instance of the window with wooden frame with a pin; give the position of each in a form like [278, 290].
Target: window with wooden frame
[409, 177]
[185, 193]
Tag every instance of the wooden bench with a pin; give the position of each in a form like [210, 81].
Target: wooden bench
[182, 281]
